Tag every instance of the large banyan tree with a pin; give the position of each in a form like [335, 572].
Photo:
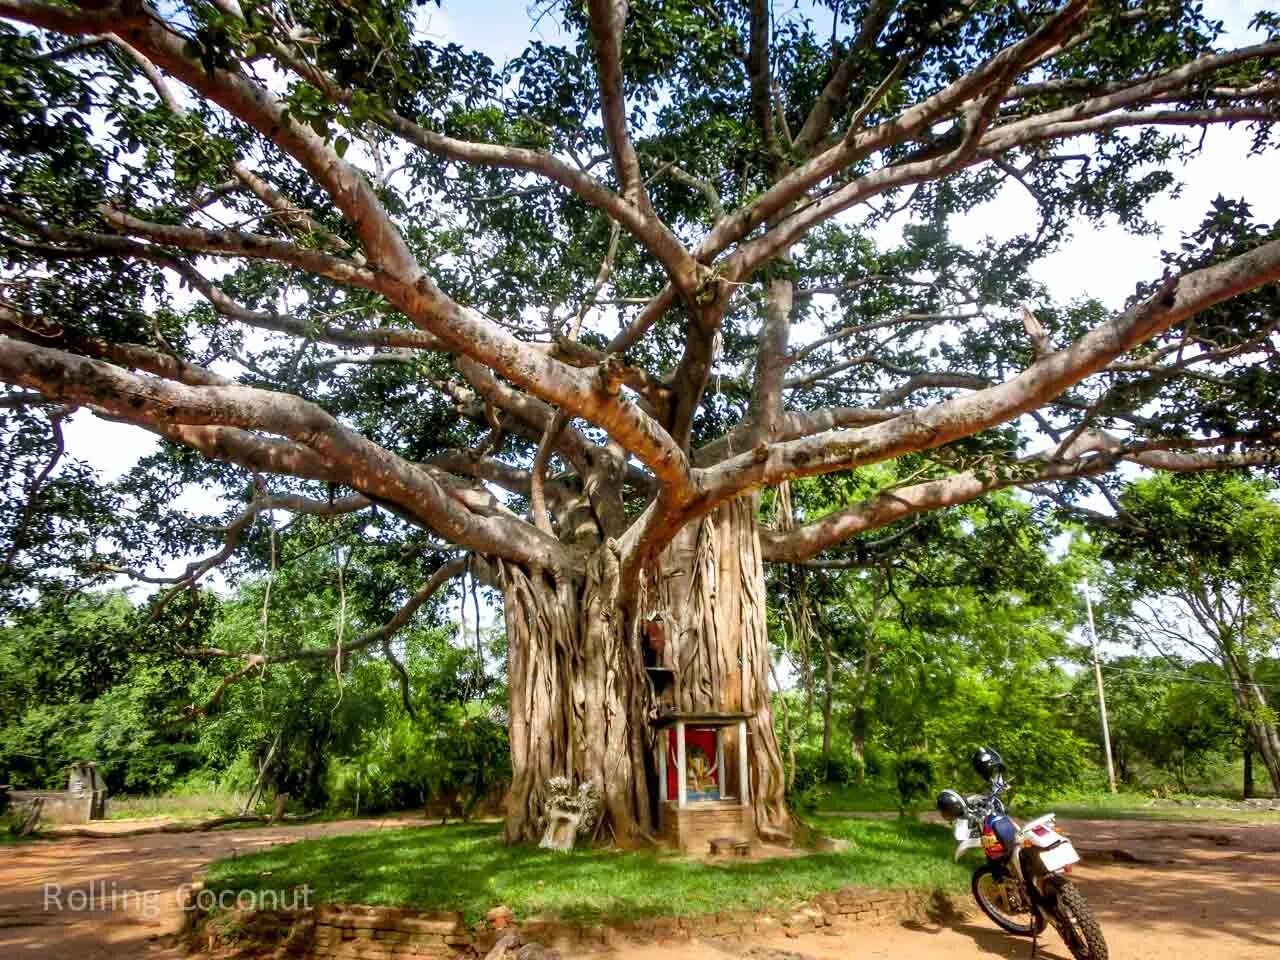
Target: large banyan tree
[562, 322]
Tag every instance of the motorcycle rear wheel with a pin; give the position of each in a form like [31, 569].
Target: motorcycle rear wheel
[1076, 924]
[1008, 907]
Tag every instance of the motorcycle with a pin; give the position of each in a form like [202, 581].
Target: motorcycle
[1024, 884]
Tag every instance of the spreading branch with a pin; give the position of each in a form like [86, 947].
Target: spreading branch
[356, 461]
[930, 427]
[257, 662]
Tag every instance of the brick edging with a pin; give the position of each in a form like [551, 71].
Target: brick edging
[358, 932]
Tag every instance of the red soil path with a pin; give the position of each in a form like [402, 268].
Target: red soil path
[1200, 891]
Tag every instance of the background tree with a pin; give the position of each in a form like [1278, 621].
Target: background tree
[74, 685]
[1193, 569]
[92, 676]
[628, 279]
[1175, 716]
[947, 632]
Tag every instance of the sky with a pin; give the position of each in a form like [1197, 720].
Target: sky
[1105, 263]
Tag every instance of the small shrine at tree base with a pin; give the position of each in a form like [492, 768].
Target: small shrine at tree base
[703, 780]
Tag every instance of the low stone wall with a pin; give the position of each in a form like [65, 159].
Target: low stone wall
[369, 933]
[377, 933]
[57, 806]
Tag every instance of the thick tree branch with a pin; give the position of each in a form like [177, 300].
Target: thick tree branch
[1100, 454]
[790, 425]
[608, 19]
[1126, 97]
[942, 423]
[537, 478]
[19, 325]
[858, 144]
[292, 217]
[652, 312]
[354, 460]
[771, 358]
[254, 246]
[834, 94]
[760, 74]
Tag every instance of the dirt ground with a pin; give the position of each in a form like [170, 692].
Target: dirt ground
[1197, 891]
[136, 927]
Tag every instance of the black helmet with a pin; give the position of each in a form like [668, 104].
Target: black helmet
[951, 805]
[987, 763]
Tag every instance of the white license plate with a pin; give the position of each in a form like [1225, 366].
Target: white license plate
[1064, 854]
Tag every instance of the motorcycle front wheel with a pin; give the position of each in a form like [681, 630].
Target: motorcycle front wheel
[1076, 924]
[1002, 899]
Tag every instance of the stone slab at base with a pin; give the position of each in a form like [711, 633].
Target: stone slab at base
[692, 828]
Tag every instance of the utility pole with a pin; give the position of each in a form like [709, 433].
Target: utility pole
[1102, 697]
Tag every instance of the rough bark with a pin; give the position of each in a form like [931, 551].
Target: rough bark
[542, 628]
[827, 707]
[581, 701]
[710, 583]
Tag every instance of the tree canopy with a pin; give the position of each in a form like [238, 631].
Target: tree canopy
[701, 176]
[1193, 571]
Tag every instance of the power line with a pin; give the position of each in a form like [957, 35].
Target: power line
[1189, 678]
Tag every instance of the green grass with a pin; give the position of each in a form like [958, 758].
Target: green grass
[13, 840]
[468, 868]
[194, 805]
[873, 797]
[9, 833]
[869, 797]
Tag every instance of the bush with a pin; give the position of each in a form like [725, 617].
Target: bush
[915, 778]
[846, 770]
[811, 799]
[876, 762]
[842, 770]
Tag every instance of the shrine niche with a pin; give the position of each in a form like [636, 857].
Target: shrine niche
[704, 780]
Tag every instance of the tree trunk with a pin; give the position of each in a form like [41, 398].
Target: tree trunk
[827, 699]
[858, 704]
[1257, 717]
[1268, 743]
[1246, 791]
[859, 732]
[581, 700]
[577, 696]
